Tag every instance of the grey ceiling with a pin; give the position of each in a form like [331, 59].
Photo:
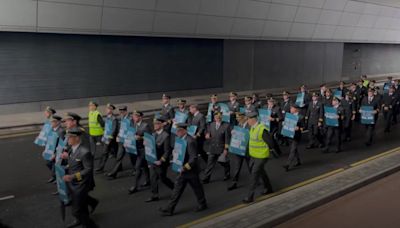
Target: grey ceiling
[316, 20]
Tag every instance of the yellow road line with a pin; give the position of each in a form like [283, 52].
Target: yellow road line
[261, 198]
[375, 157]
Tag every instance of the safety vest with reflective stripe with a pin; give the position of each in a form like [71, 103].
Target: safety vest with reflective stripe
[258, 148]
[95, 128]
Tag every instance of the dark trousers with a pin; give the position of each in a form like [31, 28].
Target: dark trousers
[331, 132]
[79, 203]
[237, 166]
[50, 165]
[370, 128]
[94, 140]
[180, 184]
[141, 167]
[212, 160]
[200, 149]
[274, 134]
[395, 113]
[79, 207]
[120, 156]
[388, 116]
[160, 173]
[293, 152]
[314, 135]
[107, 150]
[257, 172]
[347, 131]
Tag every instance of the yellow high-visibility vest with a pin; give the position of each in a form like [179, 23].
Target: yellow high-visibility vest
[258, 148]
[95, 128]
[366, 83]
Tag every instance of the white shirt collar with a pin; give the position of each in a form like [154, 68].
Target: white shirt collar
[159, 131]
[74, 148]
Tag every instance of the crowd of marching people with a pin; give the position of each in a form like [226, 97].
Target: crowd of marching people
[230, 134]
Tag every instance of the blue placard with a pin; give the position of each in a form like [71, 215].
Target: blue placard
[264, 115]
[300, 99]
[386, 87]
[42, 137]
[157, 115]
[337, 93]
[150, 148]
[130, 141]
[180, 117]
[178, 154]
[209, 110]
[242, 110]
[123, 130]
[191, 130]
[331, 116]
[51, 144]
[60, 149]
[226, 113]
[289, 125]
[367, 115]
[239, 141]
[61, 185]
[107, 136]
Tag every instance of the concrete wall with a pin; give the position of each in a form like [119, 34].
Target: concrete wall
[370, 59]
[276, 64]
[45, 67]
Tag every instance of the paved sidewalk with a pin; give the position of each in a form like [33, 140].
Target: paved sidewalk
[278, 209]
[376, 205]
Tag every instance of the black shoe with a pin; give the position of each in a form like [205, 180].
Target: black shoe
[74, 224]
[338, 150]
[368, 144]
[145, 184]
[205, 181]
[152, 199]
[248, 200]
[309, 147]
[321, 146]
[267, 191]
[166, 212]
[111, 176]
[55, 193]
[51, 180]
[132, 190]
[201, 208]
[94, 206]
[286, 167]
[325, 150]
[133, 173]
[297, 164]
[232, 187]
[227, 177]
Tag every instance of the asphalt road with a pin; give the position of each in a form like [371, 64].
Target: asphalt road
[23, 174]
